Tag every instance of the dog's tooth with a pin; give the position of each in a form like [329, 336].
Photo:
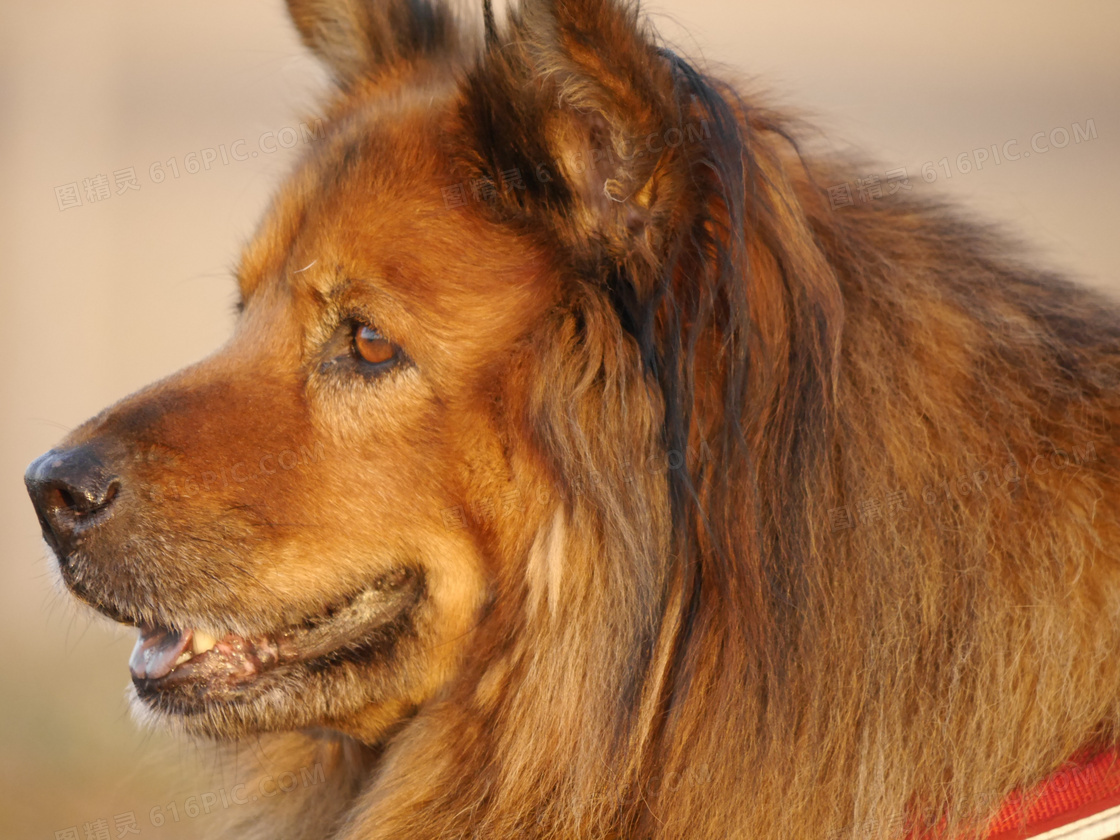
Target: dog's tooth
[202, 641]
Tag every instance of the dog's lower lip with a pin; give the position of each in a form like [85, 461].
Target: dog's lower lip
[162, 654]
[166, 657]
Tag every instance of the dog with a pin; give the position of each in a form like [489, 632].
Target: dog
[577, 470]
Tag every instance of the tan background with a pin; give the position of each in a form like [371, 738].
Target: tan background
[97, 300]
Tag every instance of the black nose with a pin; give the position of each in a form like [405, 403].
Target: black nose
[70, 489]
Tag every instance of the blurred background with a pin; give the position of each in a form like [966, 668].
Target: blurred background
[142, 141]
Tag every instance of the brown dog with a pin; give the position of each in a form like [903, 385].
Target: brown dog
[576, 472]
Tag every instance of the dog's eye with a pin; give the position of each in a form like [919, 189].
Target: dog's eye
[373, 348]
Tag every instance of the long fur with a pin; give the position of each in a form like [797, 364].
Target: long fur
[828, 537]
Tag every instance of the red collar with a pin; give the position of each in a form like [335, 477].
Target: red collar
[1078, 801]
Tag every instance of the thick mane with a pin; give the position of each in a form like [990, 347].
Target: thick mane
[824, 647]
[800, 570]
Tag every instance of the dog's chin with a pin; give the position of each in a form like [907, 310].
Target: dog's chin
[322, 671]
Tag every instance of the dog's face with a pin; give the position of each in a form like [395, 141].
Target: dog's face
[308, 527]
[281, 520]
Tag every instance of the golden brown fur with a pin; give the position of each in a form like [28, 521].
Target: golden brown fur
[776, 521]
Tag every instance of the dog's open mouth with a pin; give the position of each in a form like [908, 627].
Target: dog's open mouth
[166, 658]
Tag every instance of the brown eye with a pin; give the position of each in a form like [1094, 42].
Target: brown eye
[372, 347]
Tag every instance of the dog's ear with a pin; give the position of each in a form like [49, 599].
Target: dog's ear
[573, 117]
[359, 39]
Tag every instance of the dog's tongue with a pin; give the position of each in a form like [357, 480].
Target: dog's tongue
[156, 652]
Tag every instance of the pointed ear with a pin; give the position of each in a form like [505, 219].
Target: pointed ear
[577, 99]
[367, 38]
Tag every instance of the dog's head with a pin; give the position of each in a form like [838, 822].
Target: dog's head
[461, 323]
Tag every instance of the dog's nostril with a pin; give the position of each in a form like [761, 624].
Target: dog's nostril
[67, 487]
[67, 498]
[88, 499]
